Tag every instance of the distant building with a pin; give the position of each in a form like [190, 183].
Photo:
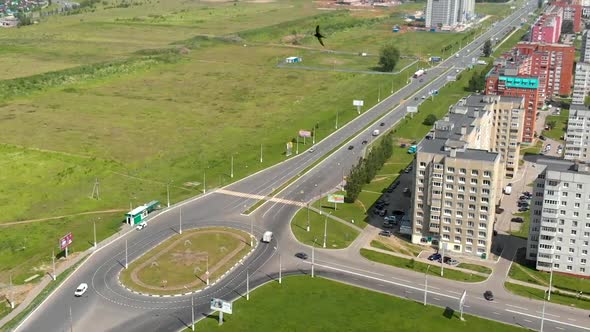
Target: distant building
[547, 29]
[581, 83]
[577, 137]
[559, 232]
[449, 13]
[585, 51]
[293, 59]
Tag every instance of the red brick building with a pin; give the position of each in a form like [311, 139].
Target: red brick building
[506, 81]
[571, 12]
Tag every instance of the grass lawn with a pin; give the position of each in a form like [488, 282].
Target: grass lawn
[347, 211]
[558, 131]
[523, 231]
[339, 235]
[405, 249]
[532, 149]
[419, 266]
[303, 303]
[4, 309]
[475, 267]
[184, 263]
[339, 61]
[25, 249]
[498, 10]
[522, 271]
[556, 297]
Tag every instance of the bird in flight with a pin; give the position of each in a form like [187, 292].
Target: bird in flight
[318, 35]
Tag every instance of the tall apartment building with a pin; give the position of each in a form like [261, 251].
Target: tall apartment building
[506, 81]
[581, 83]
[585, 50]
[560, 218]
[449, 12]
[571, 12]
[552, 64]
[577, 137]
[458, 176]
[547, 29]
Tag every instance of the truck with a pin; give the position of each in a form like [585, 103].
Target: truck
[412, 149]
[419, 73]
[376, 132]
[267, 237]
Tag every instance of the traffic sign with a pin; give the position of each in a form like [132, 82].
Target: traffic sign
[221, 305]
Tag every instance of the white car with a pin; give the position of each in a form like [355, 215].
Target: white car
[311, 150]
[81, 289]
[141, 226]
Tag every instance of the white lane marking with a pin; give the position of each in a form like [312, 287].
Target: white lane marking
[559, 328]
[495, 313]
[550, 320]
[573, 320]
[436, 298]
[467, 306]
[517, 307]
[453, 292]
[386, 281]
[528, 321]
[546, 314]
[434, 287]
[348, 267]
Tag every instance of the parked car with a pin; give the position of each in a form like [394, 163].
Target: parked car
[382, 124]
[406, 190]
[523, 209]
[82, 288]
[390, 218]
[390, 190]
[388, 224]
[383, 213]
[517, 219]
[301, 255]
[434, 257]
[385, 233]
[488, 295]
[141, 226]
[452, 262]
[364, 142]
[398, 213]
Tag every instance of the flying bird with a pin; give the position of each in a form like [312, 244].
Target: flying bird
[318, 35]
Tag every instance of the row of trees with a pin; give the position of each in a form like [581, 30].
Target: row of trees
[367, 168]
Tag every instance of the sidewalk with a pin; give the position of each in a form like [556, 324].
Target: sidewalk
[553, 290]
[33, 293]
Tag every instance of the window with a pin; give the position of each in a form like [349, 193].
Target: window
[573, 232]
[422, 164]
[578, 195]
[569, 267]
[564, 194]
[471, 215]
[481, 242]
[570, 259]
[474, 172]
[473, 190]
[583, 261]
[458, 230]
[471, 207]
[566, 185]
[449, 186]
[461, 179]
[451, 169]
[462, 171]
[579, 186]
[572, 241]
[461, 188]
[571, 250]
[450, 178]
[474, 181]
[486, 182]
[472, 198]
[446, 229]
[457, 239]
[469, 241]
[487, 174]
[449, 195]
[448, 204]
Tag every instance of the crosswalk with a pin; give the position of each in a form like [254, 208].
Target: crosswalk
[259, 197]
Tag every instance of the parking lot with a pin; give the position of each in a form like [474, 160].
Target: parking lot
[395, 201]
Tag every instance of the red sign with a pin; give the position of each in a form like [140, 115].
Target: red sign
[304, 133]
[65, 241]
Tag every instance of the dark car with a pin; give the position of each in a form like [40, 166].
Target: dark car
[398, 213]
[390, 190]
[364, 142]
[421, 80]
[415, 98]
[301, 255]
[542, 138]
[382, 124]
[446, 259]
[350, 147]
[517, 219]
[403, 145]
[385, 233]
[488, 295]
[434, 257]
[523, 209]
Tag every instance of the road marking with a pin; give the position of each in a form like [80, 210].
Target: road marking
[550, 320]
[453, 292]
[467, 306]
[517, 307]
[434, 287]
[495, 313]
[436, 298]
[528, 321]
[559, 328]
[348, 267]
[546, 314]
[383, 280]
[259, 197]
[573, 320]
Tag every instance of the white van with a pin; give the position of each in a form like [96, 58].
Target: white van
[267, 237]
[376, 132]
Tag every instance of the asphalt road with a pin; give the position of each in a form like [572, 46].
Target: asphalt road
[109, 307]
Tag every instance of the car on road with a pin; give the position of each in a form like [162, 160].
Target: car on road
[406, 190]
[364, 142]
[434, 257]
[382, 124]
[488, 295]
[350, 147]
[390, 218]
[423, 97]
[82, 288]
[518, 220]
[415, 98]
[301, 255]
[311, 150]
[141, 226]
[385, 233]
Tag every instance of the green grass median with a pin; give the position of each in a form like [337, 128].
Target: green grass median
[339, 235]
[556, 296]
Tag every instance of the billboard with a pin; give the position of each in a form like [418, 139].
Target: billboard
[358, 102]
[221, 305]
[304, 133]
[412, 109]
[65, 241]
[335, 198]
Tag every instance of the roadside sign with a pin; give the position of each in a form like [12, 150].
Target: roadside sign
[65, 241]
[335, 198]
[358, 102]
[412, 109]
[221, 305]
[289, 148]
[304, 133]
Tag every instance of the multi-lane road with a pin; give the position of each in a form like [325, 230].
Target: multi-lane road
[107, 306]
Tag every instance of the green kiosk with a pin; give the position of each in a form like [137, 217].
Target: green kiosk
[138, 214]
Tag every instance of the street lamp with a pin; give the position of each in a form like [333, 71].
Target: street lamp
[326, 229]
[207, 271]
[313, 256]
[192, 310]
[168, 192]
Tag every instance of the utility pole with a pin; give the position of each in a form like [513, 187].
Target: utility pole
[336, 126]
[379, 95]
[180, 220]
[280, 268]
[542, 315]
[297, 148]
[53, 263]
[251, 232]
[308, 226]
[10, 300]
[207, 273]
[247, 285]
[426, 283]
[326, 230]
[551, 270]
[192, 312]
[204, 185]
[125, 254]
[71, 321]
[313, 257]
[442, 259]
[232, 167]
[260, 152]
[168, 192]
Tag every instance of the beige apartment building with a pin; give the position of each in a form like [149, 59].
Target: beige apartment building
[459, 173]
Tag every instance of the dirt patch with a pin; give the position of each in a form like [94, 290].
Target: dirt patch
[399, 245]
[380, 178]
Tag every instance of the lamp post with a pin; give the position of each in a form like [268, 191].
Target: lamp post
[442, 259]
[543, 314]
[336, 126]
[313, 257]
[54, 276]
[94, 226]
[247, 285]
[251, 232]
[207, 272]
[180, 221]
[326, 229]
[280, 269]
[231, 174]
[192, 310]
[125, 254]
[551, 271]
[308, 225]
[426, 283]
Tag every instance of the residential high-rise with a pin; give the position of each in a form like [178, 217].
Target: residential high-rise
[449, 12]
[458, 174]
[560, 217]
[581, 83]
[577, 137]
[547, 29]
[506, 81]
[585, 50]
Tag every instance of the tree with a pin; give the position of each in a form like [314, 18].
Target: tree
[430, 120]
[388, 57]
[487, 48]
[539, 3]
[477, 82]
[551, 124]
[567, 27]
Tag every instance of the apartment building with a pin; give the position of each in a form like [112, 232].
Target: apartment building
[581, 83]
[547, 29]
[585, 50]
[577, 137]
[552, 64]
[449, 13]
[571, 12]
[559, 232]
[458, 180]
[504, 79]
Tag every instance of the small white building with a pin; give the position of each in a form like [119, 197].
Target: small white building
[8, 22]
[293, 59]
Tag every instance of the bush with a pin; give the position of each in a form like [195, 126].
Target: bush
[430, 120]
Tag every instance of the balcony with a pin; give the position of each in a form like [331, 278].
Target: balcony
[548, 231]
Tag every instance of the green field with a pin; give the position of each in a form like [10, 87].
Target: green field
[522, 271]
[347, 211]
[405, 249]
[339, 235]
[434, 269]
[556, 297]
[305, 304]
[523, 231]
[558, 131]
[183, 260]
[475, 267]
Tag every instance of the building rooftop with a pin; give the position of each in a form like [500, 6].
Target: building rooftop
[576, 109]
